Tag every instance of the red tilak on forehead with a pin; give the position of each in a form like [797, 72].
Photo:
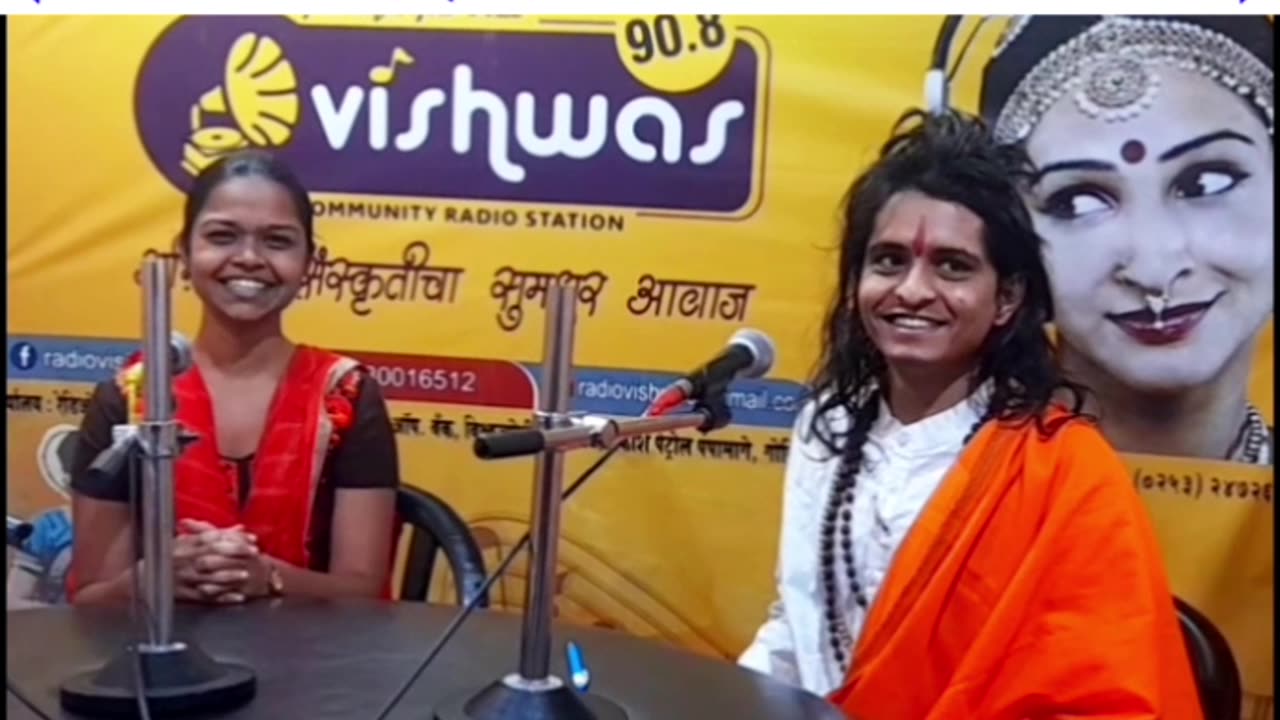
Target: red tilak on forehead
[919, 246]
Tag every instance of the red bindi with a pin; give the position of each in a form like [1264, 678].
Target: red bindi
[1133, 151]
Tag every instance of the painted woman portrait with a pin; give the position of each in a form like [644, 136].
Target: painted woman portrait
[1153, 191]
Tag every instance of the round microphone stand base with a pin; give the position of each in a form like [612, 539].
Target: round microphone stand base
[514, 698]
[183, 681]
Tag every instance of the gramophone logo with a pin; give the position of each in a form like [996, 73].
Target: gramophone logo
[515, 115]
[256, 104]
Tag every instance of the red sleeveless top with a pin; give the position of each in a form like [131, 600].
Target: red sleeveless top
[287, 466]
[312, 407]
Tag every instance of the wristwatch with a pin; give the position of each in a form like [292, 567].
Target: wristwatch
[275, 582]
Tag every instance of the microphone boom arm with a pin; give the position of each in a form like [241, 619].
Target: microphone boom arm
[533, 691]
[599, 432]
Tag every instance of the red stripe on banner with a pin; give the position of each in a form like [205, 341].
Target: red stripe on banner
[457, 381]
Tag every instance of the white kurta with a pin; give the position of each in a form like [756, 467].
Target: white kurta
[905, 464]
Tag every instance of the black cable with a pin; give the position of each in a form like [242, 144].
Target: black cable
[22, 698]
[941, 56]
[138, 671]
[466, 610]
[138, 603]
[964, 49]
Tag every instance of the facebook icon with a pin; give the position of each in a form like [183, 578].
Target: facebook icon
[23, 355]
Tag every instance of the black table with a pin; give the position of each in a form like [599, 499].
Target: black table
[319, 661]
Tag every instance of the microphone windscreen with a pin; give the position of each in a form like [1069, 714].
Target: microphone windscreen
[180, 357]
[762, 351]
[513, 443]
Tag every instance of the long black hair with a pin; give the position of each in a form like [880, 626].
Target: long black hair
[950, 157]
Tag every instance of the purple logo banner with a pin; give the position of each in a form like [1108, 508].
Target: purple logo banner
[519, 116]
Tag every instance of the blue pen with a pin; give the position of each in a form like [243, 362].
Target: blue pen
[579, 675]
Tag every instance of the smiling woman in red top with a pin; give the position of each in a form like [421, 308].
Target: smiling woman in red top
[291, 487]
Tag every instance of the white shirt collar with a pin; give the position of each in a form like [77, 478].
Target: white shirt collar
[939, 431]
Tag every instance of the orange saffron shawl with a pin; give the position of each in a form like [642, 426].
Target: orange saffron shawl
[1030, 588]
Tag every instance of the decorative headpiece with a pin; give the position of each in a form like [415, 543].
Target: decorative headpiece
[1108, 65]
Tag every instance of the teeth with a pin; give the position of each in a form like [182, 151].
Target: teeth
[912, 323]
[245, 288]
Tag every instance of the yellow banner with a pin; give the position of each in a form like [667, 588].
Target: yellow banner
[684, 173]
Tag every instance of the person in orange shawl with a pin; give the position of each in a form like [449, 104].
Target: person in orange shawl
[290, 488]
[958, 541]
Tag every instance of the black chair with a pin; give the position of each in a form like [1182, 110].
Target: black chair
[1217, 676]
[18, 532]
[436, 527]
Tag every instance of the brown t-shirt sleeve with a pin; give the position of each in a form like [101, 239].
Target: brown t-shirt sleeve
[106, 409]
[366, 457]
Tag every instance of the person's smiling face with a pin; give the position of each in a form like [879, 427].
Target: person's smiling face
[1159, 231]
[928, 295]
[248, 250]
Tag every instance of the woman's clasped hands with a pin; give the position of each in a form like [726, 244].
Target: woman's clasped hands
[218, 565]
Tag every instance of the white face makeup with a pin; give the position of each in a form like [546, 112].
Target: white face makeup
[1159, 231]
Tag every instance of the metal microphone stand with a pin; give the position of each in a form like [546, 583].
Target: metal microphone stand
[533, 693]
[179, 678]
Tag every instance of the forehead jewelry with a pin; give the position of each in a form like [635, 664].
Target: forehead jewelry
[1111, 71]
[1116, 88]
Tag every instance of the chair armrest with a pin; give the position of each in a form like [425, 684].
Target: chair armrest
[432, 516]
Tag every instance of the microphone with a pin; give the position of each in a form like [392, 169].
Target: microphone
[749, 354]
[154, 674]
[180, 354]
[180, 357]
[111, 462]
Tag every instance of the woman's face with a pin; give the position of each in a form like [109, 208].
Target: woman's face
[248, 250]
[1177, 200]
